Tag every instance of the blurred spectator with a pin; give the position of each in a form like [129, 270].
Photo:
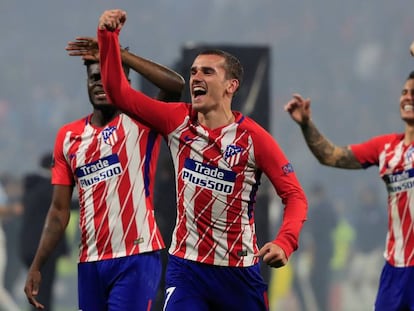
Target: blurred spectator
[370, 228]
[313, 277]
[6, 301]
[37, 196]
[11, 227]
[343, 236]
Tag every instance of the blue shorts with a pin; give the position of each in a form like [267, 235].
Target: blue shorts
[193, 286]
[119, 284]
[396, 290]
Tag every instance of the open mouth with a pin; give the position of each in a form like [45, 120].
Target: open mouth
[100, 95]
[199, 91]
[408, 108]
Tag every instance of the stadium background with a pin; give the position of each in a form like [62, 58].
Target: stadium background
[350, 57]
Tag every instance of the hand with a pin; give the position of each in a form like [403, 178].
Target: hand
[112, 20]
[87, 47]
[31, 288]
[299, 109]
[273, 255]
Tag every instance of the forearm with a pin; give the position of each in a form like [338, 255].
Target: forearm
[325, 151]
[163, 77]
[294, 216]
[118, 89]
[53, 231]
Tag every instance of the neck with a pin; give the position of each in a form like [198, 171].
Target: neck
[213, 120]
[409, 134]
[102, 118]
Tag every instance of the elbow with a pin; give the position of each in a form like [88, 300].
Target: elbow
[180, 83]
[177, 85]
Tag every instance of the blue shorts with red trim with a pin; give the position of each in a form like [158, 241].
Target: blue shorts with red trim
[396, 289]
[193, 286]
[119, 284]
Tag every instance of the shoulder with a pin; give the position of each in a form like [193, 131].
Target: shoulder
[255, 130]
[76, 123]
[387, 138]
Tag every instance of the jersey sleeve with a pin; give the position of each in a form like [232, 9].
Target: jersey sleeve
[159, 115]
[367, 153]
[272, 161]
[61, 171]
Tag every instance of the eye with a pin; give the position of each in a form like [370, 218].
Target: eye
[95, 77]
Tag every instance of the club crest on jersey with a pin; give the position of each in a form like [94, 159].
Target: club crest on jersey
[232, 155]
[409, 155]
[101, 170]
[109, 135]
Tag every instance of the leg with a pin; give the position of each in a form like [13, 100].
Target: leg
[134, 281]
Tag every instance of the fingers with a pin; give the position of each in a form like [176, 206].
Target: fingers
[32, 290]
[86, 47]
[112, 20]
[273, 255]
[297, 101]
[264, 250]
[85, 39]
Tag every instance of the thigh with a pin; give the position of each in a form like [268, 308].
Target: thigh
[390, 295]
[183, 292]
[240, 289]
[194, 286]
[136, 285]
[91, 291]
[182, 298]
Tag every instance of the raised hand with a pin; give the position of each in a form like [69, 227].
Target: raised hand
[299, 109]
[112, 20]
[86, 47]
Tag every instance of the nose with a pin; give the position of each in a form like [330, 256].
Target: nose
[196, 75]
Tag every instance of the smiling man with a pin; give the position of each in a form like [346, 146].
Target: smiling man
[394, 155]
[219, 156]
[111, 159]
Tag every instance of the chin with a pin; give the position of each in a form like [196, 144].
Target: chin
[408, 118]
[104, 107]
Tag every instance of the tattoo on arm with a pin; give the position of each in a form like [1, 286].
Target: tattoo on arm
[326, 152]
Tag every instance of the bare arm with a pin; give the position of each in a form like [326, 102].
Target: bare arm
[169, 82]
[55, 224]
[324, 150]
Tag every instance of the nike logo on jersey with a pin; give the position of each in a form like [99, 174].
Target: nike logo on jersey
[409, 155]
[188, 139]
[97, 171]
[208, 176]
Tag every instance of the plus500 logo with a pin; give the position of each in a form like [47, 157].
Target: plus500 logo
[100, 170]
[209, 177]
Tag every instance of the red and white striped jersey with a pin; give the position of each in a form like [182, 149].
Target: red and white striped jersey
[113, 168]
[396, 168]
[217, 173]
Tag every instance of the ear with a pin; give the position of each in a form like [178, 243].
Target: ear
[233, 86]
